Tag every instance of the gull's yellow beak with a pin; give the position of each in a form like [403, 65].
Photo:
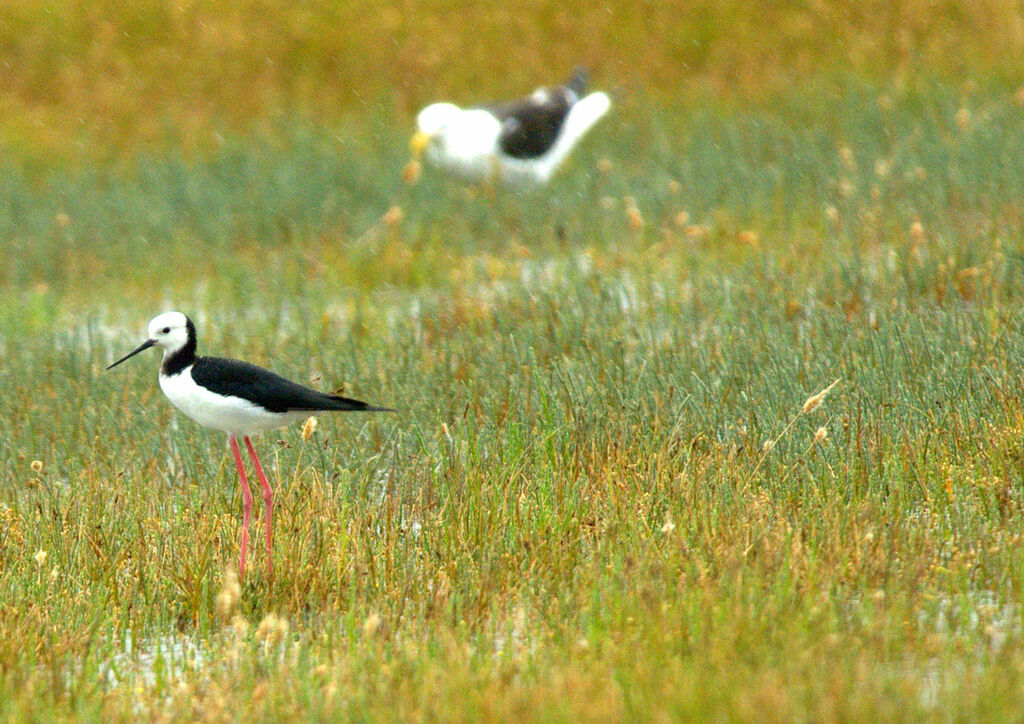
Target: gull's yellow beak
[418, 143]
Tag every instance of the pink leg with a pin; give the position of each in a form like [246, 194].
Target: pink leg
[268, 501]
[246, 503]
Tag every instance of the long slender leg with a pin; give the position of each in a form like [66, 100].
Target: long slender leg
[246, 503]
[268, 501]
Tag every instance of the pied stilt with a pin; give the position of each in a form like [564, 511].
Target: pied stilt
[235, 397]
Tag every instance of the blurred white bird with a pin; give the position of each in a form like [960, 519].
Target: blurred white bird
[519, 142]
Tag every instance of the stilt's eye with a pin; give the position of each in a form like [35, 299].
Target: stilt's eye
[165, 330]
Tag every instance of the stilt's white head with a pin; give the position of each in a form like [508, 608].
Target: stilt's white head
[171, 332]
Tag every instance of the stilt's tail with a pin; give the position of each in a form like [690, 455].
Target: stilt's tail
[347, 404]
[321, 401]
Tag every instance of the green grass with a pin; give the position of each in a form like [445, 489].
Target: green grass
[574, 515]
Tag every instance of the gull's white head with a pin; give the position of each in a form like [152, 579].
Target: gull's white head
[432, 123]
[436, 118]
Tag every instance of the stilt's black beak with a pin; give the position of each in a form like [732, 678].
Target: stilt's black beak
[145, 345]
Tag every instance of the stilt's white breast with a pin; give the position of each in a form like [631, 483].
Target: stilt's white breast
[232, 415]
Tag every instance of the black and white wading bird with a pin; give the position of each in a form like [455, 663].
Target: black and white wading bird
[235, 397]
[519, 142]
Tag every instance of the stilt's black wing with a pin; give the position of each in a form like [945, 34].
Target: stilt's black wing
[267, 389]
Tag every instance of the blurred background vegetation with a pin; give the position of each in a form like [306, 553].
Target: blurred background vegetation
[103, 76]
[600, 500]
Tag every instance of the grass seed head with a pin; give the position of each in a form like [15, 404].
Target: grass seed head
[814, 401]
[634, 218]
[309, 427]
[963, 119]
[820, 435]
[229, 596]
[749, 238]
[411, 172]
[40, 557]
[393, 217]
[240, 625]
[272, 628]
[697, 231]
[371, 625]
[266, 625]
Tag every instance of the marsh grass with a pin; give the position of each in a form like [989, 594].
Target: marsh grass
[605, 495]
[575, 513]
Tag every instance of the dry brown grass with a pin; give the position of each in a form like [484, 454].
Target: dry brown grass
[115, 76]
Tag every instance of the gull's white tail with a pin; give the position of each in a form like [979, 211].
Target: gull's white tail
[582, 116]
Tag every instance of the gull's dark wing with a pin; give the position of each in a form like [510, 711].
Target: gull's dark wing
[530, 126]
[267, 389]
